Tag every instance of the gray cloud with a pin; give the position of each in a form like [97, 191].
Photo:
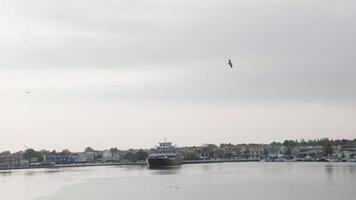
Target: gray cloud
[295, 53]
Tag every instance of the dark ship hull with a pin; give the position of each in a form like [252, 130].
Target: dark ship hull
[164, 162]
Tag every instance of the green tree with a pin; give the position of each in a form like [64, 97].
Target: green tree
[327, 149]
[246, 153]
[190, 156]
[136, 156]
[228, 155]
[275, 143]
[89, 149]
[141, 155]
[114, 150]
[31, 154]
[208, 150]
[288, 151]
[289, 143]
[98, 156]
[265, 152]
[130, 156]
[219, 153]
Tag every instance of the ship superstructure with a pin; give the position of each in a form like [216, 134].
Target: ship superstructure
[164, 155]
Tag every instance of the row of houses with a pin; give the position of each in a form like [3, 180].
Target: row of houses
[21, 160]
[269, 151]
[210, 151]
[83, 157]
[16, 160]
[346, 150]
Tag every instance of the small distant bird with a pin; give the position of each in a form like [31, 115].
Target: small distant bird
[175, 187]
[28, 92]
[230, 63]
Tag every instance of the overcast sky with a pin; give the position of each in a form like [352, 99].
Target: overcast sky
[127, 73]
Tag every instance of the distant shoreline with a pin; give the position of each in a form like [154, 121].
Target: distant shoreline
[145, 163]
[74, 165]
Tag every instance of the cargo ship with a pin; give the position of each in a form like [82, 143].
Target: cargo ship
[164, 155]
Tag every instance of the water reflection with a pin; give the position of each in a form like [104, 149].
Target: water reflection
[30, 173]
[206, 167]
[130, 167]
[165, 171]
[352, 169]
[52, 171]
[5, 173]
[329, 169]
[337, 169]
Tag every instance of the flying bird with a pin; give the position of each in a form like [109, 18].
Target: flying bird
[175, 187]
[28, 92]
[230, 63]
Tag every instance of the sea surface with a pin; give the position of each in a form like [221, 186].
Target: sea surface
[255, 180]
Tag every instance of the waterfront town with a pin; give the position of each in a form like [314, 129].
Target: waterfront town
[318, 150]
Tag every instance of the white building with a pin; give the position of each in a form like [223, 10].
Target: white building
[81, 157]
[107, 155]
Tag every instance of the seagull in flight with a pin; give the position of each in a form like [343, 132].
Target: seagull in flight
[230, 63]
[28, 92]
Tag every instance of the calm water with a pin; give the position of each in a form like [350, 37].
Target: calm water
[275, 181]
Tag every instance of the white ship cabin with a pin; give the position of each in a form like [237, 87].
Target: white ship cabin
[165, 145]
[165, 149]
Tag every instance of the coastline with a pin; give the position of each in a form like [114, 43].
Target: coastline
[74, 165]
[143, 163]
